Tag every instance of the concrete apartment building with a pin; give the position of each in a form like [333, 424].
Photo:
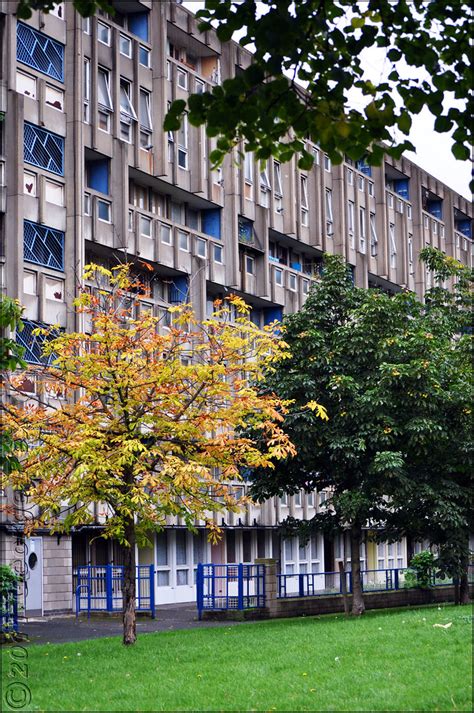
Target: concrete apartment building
[87, 174]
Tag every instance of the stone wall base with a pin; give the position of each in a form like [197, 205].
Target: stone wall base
[312, 606]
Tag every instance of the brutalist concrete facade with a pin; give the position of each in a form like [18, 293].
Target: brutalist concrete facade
[86, 173]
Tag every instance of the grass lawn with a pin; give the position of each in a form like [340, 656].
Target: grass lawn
[385, 661]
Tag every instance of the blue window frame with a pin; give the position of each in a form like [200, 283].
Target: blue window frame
[40, 52]
[44, 149]
[43, 245]
[33, 343]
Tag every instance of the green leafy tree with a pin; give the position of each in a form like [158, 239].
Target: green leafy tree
[320, 45]
[391, 374]
[86, 8]
[11, 355]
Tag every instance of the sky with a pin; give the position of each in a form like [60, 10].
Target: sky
[433, 150]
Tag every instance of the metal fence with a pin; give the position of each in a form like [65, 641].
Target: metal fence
[9, 610]
[373, 580]
[99, 588]
[230, 586]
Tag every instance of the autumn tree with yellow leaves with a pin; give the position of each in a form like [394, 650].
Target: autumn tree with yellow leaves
[143, 419]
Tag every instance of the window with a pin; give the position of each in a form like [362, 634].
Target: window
[305, 286]
[350, 221]
[43, 245]
[86, 25]
[400, 206]
[278, 276]
[125, 44]
[371, 188]
[103, 33]
[162, 569]
[127, 112]
[329, 214]
[183, 241]
[103, 210]
[350, 176]
[435, 228]
[410, 253]
[145, 226]
[58, 10]
[183, 143]
[361, 183]
[87, 90]
[146, 125]
[248, 167]
[40, 52]
[201, 247]
[316, 156]
[292, 281]
[54, 192]
[249, 265]
[277, 187]
[304, 200]
[177, 213]
[87, 204]
[181, 78]
[426, 221]
[408, 207]
[393, 246]
[218, 253]
[29, 183]
[53, 289]
[144, 55]
[362, 229]
[131, 215]
[199, 86]
[310, 497]
[43, 149]
[165, 234]
[390, 200]
[264, 187]
[104, 99]
[54, 97]
[33, 344]
[373, 235]
[327, 162]
[26, 84]
[30, 283]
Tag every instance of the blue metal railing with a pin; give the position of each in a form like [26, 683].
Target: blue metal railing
[9, 610]
[373, 580]
[230, 586]
[99, 588]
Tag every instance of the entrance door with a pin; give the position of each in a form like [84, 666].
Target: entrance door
[34, 576]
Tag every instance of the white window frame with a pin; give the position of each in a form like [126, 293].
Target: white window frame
[393, 245]
[52, 91]
[350, 222]
[373, 235]
[166, 229]
[109, 210]
[327, 163]
[199, 86]
[218, 250]
[350, 176]
[29, 177]
[304, 200]
[182, 78]
[362, 233]
[147, 52]
[248, 167]
[361, 183]
[146, 127]
[410, 253]
[54, 185]
[106, 30]
[182, 234]
[87, 90]
[329, 213]
[249, 262]
[127, 41]
[87, 205]
[183, 144]
[371, 186]
[201, 247]
[305, 286]
[27, 80]
[49, 284]
[292, 282]
[127, 111]
[277, 187]
[145, 220]
[278, 276]
[106, 107]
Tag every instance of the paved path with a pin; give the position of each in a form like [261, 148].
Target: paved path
[56, 630]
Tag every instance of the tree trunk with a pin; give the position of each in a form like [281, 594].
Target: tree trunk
[464, 597]
[129, 586]
[358, 606]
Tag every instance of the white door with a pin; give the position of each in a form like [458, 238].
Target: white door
[34, 576]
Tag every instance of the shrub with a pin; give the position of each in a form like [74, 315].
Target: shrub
[420, 572]
[8, 578]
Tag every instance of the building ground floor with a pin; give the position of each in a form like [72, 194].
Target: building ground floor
[48, 563]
